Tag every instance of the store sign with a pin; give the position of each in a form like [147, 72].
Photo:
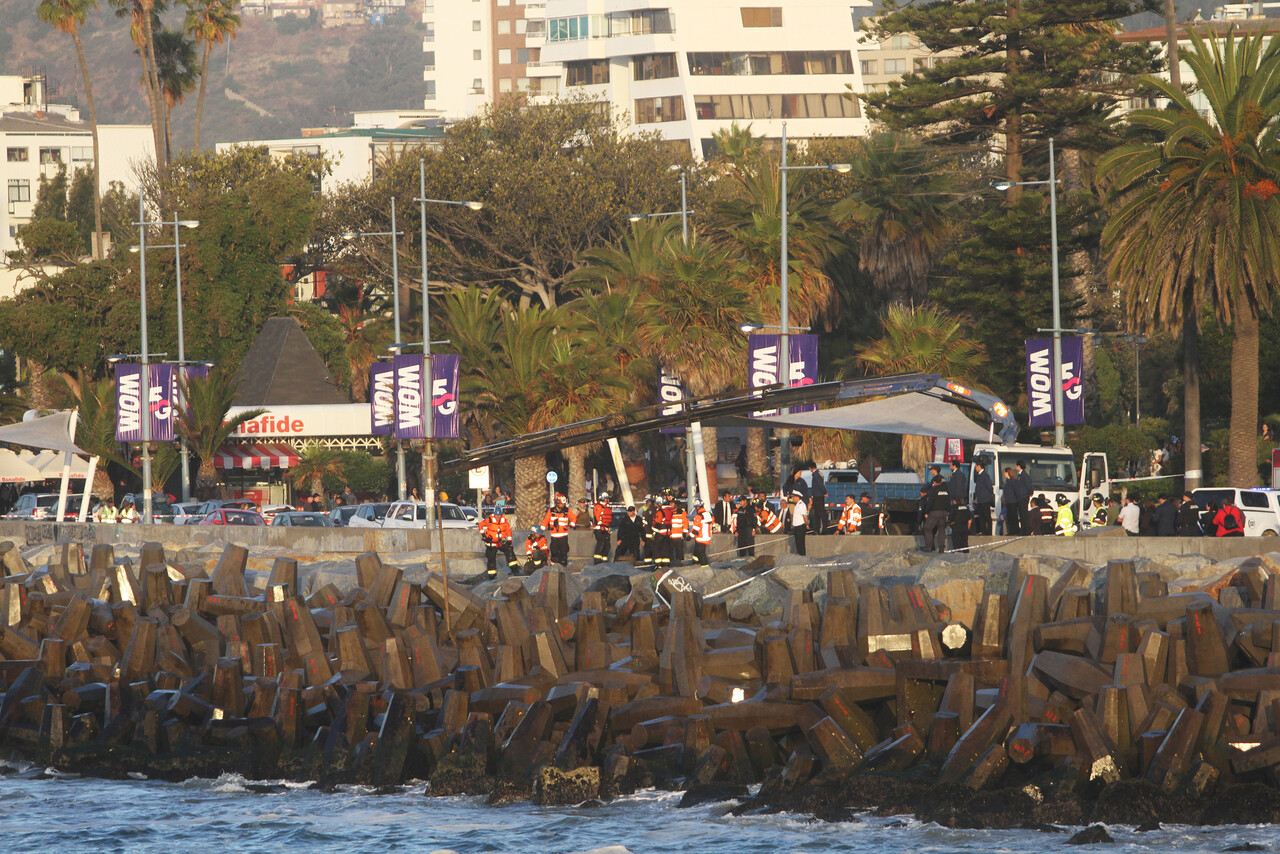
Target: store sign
[410, 394]
[336, 419]
[133, 403]
[382, 395]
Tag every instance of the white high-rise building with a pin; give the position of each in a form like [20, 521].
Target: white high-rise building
[688, 68]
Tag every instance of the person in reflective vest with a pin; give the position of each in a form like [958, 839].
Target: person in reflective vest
[535, 547]
[106, 513]
[129, 514]
[558, 522]
[768, 520]
[850, 516]
[679, 532]
[1066, 521]
[702, 526]
[601, 520]
[661, 525]
[495, 530]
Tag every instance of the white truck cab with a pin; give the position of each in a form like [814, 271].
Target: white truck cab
[1052, 470]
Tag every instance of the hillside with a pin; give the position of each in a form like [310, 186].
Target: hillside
[270, 81]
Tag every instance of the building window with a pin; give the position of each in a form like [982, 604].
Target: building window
[429, 32]
[586, 72]
[505, 84]
[19, 155]
[923, 62]
[19, 190]
[818, 106]
[431, 90]
[901, 41]
[876, 87]
[654, 66]
[869, 66]
[653, 110]
[504, 27]
[641, 22]
[716, 63]
[81, 154]
[475, 26]
[761, 16]
[477, 86]
[536, 29]
[527, 54]
[504, 56]
[895, 66]
[430, 58]
[50, 155]
[475, 54]
[568, 29]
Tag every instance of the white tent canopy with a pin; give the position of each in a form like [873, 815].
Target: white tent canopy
[54, 433]
[50, 464]
[913, 414]
[17, 469]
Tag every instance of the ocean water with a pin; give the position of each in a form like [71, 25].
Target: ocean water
[42, 810]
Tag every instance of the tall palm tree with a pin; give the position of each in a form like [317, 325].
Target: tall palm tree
[176, 69]
[901, 202]
[365, 338]
[144, 16]
[96, 431]
[315, 463]
[209, 22]
[205, 424]
[68, 16]
[1196, 218]
[927, 339]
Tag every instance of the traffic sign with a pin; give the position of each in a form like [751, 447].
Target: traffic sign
[478, 478]
[552, 477]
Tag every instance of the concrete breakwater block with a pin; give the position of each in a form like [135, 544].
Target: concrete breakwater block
[1104, 690]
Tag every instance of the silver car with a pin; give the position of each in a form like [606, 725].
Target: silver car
[368, 515]
[413, 514]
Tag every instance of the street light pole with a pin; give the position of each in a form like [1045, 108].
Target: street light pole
[146, 363]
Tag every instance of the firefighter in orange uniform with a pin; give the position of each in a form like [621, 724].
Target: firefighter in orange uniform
[679, 530]
[495, 530]
[661, 525]
[558, 522]
[850, 517]
[768, 520]
[702, 525]
[535, 548]
[601, 520]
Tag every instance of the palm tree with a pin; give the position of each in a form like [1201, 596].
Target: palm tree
[176, 69]
[927, 339]
[209, 22]
[315, 463]
[96, 430]
[365, 338]
[205, 423]
[901, 203]
[68, 16]
[1196, 216]
[144, 15]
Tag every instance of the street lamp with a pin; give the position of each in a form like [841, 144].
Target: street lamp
[1059, 434]
[176, 246]
[784, 451]
[429, 434]
[395, 299]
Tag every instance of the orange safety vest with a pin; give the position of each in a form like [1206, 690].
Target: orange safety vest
[661, 523]
[850, 519]
[558, 522]
[702, 526]
[603, 517]
[534, 545]
[679, 524]
[769, 520]
[495, 530]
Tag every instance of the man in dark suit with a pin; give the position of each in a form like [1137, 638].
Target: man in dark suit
[984, 498]
[1025, 491]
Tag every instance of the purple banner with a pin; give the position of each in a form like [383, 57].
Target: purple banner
[191, 372]
[382, 398]
[130, 405]
[1040, 381]
[444, 394]
[670, 392]
[763, 358]
[410, 397]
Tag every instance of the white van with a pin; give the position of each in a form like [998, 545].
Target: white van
[1259, 507]
[413, 514]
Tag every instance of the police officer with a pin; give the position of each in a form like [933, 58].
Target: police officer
[744, 528]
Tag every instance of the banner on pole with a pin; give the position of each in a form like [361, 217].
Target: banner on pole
[382, 398]
[133, 402]
[671, 392]
[1040, 381]
[410, 397]
[444, 394]
[763, 359]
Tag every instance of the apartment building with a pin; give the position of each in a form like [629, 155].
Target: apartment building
[38, 138]
[477, 50]
[688, 68]
[885, 61]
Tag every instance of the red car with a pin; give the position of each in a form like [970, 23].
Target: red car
[232, 516]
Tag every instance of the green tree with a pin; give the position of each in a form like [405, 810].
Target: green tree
[96, 430]
[205, 423]
[209, 23]
[51, 197]
[927, 339]
[326, 334]
[315, 463]
[68, 16]
[175, 57]
[1197, 218]
[144, 16]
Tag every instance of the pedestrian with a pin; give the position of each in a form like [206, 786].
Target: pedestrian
[1025, 490]
[495, 531]
[1165, 517]
[984, 498]
[679, 533]
[1229, 520]
[660, 524]
[740, 466]
[557, 523]
[958, 485]
[1065, 521]
[601, 521]
[765, 517]
[1009, 503]
[817, 500]
[1130, 515]
[582, 518]
[722, 513]
[646, 530]
[536, 550]
[872, 516]
[850, 516]
[348, 497]
[1042, 517]
[744, 528]
[1113, 511]
[630, 532]
[702, 526]
[960, 522]
[799, 513]
[1189, 517]
[937, 511]
[1207, 525]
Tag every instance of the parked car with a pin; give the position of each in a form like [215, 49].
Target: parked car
[35, 505]
[369, 515]
[269, 511]
[413, 514]
[232, 516]
[472, 514]
[301, 519]
[1259, 509]
[212, 504]
[343, 515]
[188, 513]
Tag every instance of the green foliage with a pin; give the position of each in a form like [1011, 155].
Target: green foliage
[51, 197]
[48, 241]
[1122, 443]
[291, 24]
[325, 334]
[363, 472]
[80, 207]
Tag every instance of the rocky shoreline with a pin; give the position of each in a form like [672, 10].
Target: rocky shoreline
[982, 692]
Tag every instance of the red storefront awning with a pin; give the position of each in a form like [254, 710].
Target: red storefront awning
[255, 457]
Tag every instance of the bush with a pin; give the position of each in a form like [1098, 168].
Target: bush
[367, 475]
